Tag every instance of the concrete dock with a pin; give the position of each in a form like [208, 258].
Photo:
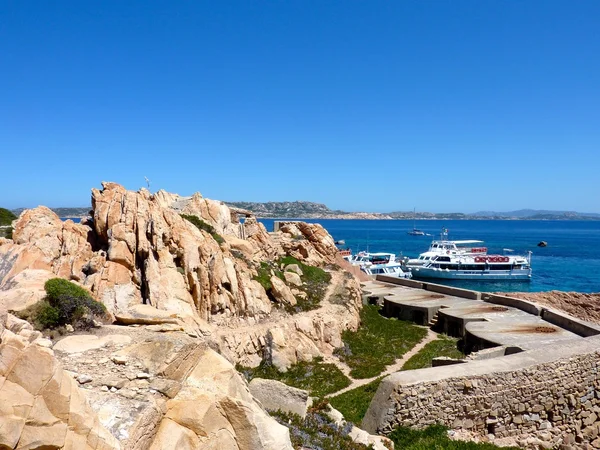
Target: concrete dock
[482, 320]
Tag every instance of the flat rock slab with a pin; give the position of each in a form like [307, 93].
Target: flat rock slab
[145, 315]
[85, 342]
[275, 395]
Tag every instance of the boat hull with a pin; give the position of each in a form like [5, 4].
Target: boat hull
[473, 275]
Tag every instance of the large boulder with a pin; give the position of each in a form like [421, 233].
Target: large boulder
[214, 409]
[277, 396]
[41, 406]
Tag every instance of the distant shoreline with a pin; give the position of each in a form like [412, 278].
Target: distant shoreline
[511, 219]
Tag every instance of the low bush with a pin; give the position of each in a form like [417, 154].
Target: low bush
[377, 343]
[202, 225]
[65, 304]
[6, 216]
[315, 376]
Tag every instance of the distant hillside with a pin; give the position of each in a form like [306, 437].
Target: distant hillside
[287, 209]
[538, 214]
[312, 210]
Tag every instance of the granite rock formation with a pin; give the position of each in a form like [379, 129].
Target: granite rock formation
[179, 294]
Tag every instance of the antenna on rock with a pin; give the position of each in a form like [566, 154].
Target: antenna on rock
[147, 182]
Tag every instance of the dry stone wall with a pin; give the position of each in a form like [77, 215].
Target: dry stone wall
[550, 404]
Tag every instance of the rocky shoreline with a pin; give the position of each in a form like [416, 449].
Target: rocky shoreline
[187, 300]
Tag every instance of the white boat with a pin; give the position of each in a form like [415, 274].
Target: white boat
[392, 269]
[380, 264]
[415, 231]
[367, 259]
[444, 246]
[481, 267]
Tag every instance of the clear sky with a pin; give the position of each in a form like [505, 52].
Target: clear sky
[442, 105]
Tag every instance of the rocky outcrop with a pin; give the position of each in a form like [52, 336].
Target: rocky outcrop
[41, 406]
[285, 341]
[583, 306]
[214, 409]
[277, 396]
[157, 383]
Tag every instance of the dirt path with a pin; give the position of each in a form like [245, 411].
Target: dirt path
[431, 336]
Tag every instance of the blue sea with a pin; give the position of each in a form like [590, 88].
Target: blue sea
[570, 262]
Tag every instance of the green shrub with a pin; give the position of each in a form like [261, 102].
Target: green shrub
[58, 287]
[377, 343]
[65, 304]
[6, 216]
[202, 225]
[45, 315]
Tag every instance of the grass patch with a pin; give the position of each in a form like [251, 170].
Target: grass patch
[315, 376]
[65, 304]
[354, 404]
[317, 430]
[377, 343]
[433, 437]
[314, 284]
[202, 225]
[444, 346]
[264, 273]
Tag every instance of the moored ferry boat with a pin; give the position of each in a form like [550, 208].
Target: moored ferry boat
[481, 267]
[444, 246]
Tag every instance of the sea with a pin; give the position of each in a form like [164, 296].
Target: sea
[569, 262]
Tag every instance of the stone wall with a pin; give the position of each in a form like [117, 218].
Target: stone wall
[547, 397]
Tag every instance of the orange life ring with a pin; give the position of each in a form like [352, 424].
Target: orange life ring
[478, 259]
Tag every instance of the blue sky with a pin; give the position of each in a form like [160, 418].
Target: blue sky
[446, 105]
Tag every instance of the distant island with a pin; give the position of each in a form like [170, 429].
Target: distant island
[312, 210]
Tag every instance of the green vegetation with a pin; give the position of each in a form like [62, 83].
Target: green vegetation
[444, 346]
[317, 430]
[65, 303]
[264, 273]
[6, 216]
[433, 437]
[202, 225]
[354, 404]
[314, 284]
[377, 343]
[318, 378]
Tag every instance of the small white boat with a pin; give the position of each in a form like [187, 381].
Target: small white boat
[415, 231]
[444, 246]
[476, 267]
[394, 270]
[380, 264]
